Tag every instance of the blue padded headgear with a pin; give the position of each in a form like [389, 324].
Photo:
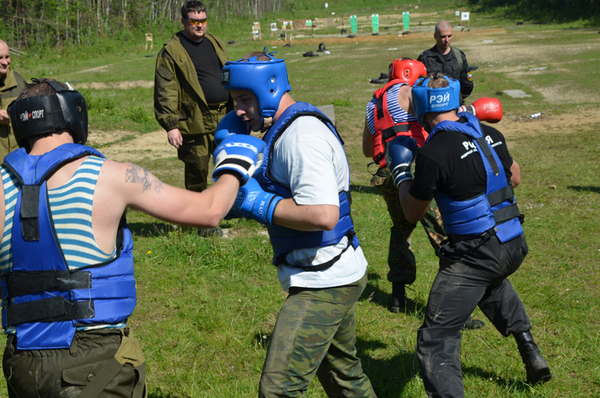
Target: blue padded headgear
[44, 114]
[426, 99]
[267, 80]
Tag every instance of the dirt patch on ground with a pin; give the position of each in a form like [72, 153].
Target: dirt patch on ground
[384, 37]
[492, 49]
[115, 85]
[117, 145]
[541, 123]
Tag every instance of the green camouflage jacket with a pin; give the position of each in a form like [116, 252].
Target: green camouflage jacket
[11, 86]
[179, 101]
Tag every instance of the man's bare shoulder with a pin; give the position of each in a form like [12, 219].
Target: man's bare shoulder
[132, 176]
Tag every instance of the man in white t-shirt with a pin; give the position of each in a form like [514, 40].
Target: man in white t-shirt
[302, 194]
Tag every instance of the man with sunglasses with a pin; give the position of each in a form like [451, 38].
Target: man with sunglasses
[188, 99]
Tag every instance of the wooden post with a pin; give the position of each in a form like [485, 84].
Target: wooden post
[149, 39]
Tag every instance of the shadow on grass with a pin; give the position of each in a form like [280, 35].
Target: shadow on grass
[363, 189]
[150, 229]
[381, 298]
[507, 384]
[160, 394]
[584, 189]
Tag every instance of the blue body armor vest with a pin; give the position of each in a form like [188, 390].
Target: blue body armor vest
[42, 298]
[285, 239]
[494, 208]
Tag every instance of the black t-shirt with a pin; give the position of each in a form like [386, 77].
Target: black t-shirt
[208, 68]
[450, 163]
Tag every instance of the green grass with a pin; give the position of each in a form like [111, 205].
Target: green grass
[206, 307]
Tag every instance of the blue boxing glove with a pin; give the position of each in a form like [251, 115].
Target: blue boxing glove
[230, 124]
[255, 204]
[399, 156]
[240, 155]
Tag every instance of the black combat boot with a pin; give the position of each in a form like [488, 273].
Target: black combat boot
[398, 301]
[535, 364]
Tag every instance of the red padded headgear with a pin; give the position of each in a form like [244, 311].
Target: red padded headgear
[407, 69]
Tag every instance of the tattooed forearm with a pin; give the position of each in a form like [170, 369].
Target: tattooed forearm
[138, 175]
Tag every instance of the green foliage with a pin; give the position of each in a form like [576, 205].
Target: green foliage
[340, 102]
[116, 109]
[543, 11]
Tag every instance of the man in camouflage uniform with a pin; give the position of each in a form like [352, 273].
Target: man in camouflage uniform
[11, 85]
[301, 194]
[388, 114]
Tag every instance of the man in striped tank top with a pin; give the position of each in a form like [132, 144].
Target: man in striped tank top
[388, 115]
[66, 256]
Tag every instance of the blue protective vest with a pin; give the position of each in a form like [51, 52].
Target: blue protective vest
[496, 208]
[41, 297]
[283, 239]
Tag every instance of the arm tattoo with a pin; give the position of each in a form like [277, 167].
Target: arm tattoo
[138, 175]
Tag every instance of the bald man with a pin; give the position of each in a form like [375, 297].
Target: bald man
[11, 85]
[449, 61]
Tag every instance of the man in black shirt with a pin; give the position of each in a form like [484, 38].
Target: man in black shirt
[449, 61]
[467, 168]
[189, 101]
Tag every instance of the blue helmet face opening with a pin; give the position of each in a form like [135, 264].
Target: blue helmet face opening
[267, 80]
[427, 99]
[39, 115]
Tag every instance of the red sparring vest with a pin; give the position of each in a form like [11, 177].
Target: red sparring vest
[385, 128]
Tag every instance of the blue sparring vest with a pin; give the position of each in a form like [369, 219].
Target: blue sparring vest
[285, 239]
[496, 208]
[42, 298]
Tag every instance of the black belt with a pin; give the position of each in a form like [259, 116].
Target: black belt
[459, 238]
[217, 107]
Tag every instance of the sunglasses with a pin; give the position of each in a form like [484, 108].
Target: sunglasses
[197, 22]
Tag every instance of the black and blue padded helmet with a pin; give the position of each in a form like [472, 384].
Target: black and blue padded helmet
[43, 114]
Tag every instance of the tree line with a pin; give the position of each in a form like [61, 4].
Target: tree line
[545, 10]
[30, 23]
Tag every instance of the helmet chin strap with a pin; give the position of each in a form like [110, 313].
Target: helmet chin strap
[267, 123]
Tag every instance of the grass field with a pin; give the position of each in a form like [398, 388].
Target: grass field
[206, 307]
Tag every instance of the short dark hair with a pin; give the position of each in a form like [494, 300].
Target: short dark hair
[39, 87]
[192, 6]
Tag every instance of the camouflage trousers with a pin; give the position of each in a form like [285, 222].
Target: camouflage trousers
[401, 259]
[315, 333]
[196, 151]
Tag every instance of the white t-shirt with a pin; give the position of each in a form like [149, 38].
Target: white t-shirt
[311, 161]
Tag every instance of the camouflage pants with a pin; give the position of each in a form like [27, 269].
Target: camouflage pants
[401, 259]
[196, 151]
[315, 333]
